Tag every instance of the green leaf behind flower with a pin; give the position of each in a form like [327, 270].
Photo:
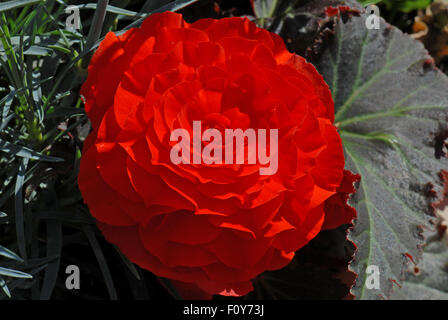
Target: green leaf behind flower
[391, 106]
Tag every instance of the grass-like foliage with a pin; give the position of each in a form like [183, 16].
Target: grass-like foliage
[42, 127]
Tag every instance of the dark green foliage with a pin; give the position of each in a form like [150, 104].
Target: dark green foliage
[42, 129]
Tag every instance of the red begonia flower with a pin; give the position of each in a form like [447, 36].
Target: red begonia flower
[213, 226]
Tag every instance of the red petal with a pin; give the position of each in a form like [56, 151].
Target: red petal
[337, 210]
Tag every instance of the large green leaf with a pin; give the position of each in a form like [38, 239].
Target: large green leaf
[391, 103]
